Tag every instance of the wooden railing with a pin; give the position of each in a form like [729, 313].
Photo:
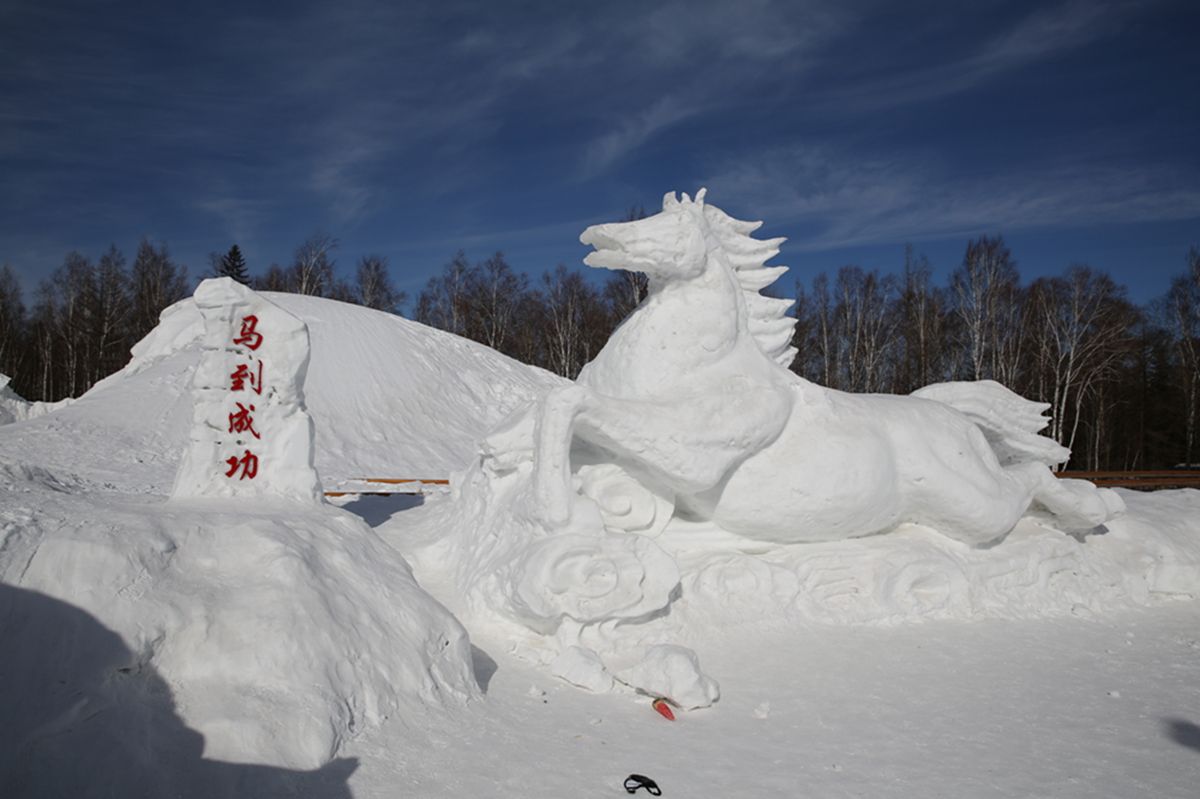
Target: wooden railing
[1145, 480]
[407, 482]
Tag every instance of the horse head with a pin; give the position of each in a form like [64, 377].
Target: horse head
[671, 245]
[683, 241]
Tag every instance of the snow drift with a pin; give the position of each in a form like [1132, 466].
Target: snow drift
[275, 631]
[281, 632]
[389, 397]
[15, 408]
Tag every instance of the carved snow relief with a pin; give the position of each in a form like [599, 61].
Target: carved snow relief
[687, 465]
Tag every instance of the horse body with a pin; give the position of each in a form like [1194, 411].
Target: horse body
[857, 465]
[689, 397]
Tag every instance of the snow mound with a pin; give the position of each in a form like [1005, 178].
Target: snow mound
[82, 720]
[15, 408]
[263, 631]
[281, 632]
[389, 398]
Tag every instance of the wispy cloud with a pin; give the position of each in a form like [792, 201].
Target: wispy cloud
[706, 53]
[1042, 34]
[241, 217]
[335, 100]
[842, 201]
[633, 131]
[395, 123]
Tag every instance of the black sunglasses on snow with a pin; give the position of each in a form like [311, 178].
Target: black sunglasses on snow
[635, 781]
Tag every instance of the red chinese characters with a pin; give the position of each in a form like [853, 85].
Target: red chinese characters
[249, 337]
[245, 376]
[248, 464]
[241, 420]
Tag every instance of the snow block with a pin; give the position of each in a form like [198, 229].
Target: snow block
[251, 433]
[672, 672]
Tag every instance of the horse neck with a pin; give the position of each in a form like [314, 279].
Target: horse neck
[702, 320]
[714, 295]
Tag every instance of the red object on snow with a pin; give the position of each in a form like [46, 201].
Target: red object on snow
[663, 709]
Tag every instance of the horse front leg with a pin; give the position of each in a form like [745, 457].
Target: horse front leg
[552, 453]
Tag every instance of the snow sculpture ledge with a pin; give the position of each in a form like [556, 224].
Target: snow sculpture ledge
[251, 434]
[579, 507]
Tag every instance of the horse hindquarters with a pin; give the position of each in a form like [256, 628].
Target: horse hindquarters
[950, 477]
[1010, 424]
[854, 465]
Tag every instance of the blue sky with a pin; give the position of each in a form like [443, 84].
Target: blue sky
[416, 129]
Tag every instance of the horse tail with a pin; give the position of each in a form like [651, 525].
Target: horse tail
[1009, 422]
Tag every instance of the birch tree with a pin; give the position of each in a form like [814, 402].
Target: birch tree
[574, 316]
[156, 281]
[922, 327]
[443, 302]
[865, 328]
[373, 285]
[987, 302]
[494, 291]
[312, 270]
[13, 347]
[823, 335]
[1083, 326]
[109, 315]
[1183, 306]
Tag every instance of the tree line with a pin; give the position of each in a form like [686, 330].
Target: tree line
[87, 315]
[1122, 380]
[558, 321]
[84, 319]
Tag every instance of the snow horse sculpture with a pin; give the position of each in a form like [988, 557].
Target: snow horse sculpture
[691, 403]
[687, 444]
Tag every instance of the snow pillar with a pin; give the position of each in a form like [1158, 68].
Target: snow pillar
[251, 434]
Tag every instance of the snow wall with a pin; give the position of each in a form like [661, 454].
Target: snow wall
[275, 632]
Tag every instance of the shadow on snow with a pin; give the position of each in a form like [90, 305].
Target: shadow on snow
[375, 510]
[83, 716]
[1184, 733]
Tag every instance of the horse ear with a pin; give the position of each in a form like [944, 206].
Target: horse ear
[700, 197]
[669, 201]
[685, 199]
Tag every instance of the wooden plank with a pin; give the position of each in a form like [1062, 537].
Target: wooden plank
[1132, 475]
[1147, 480]
[1149, 485]
[436, 481]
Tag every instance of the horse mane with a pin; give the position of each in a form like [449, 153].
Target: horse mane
[769, 323]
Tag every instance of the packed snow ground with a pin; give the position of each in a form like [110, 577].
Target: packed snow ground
[1035, 708]
[224, 650]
